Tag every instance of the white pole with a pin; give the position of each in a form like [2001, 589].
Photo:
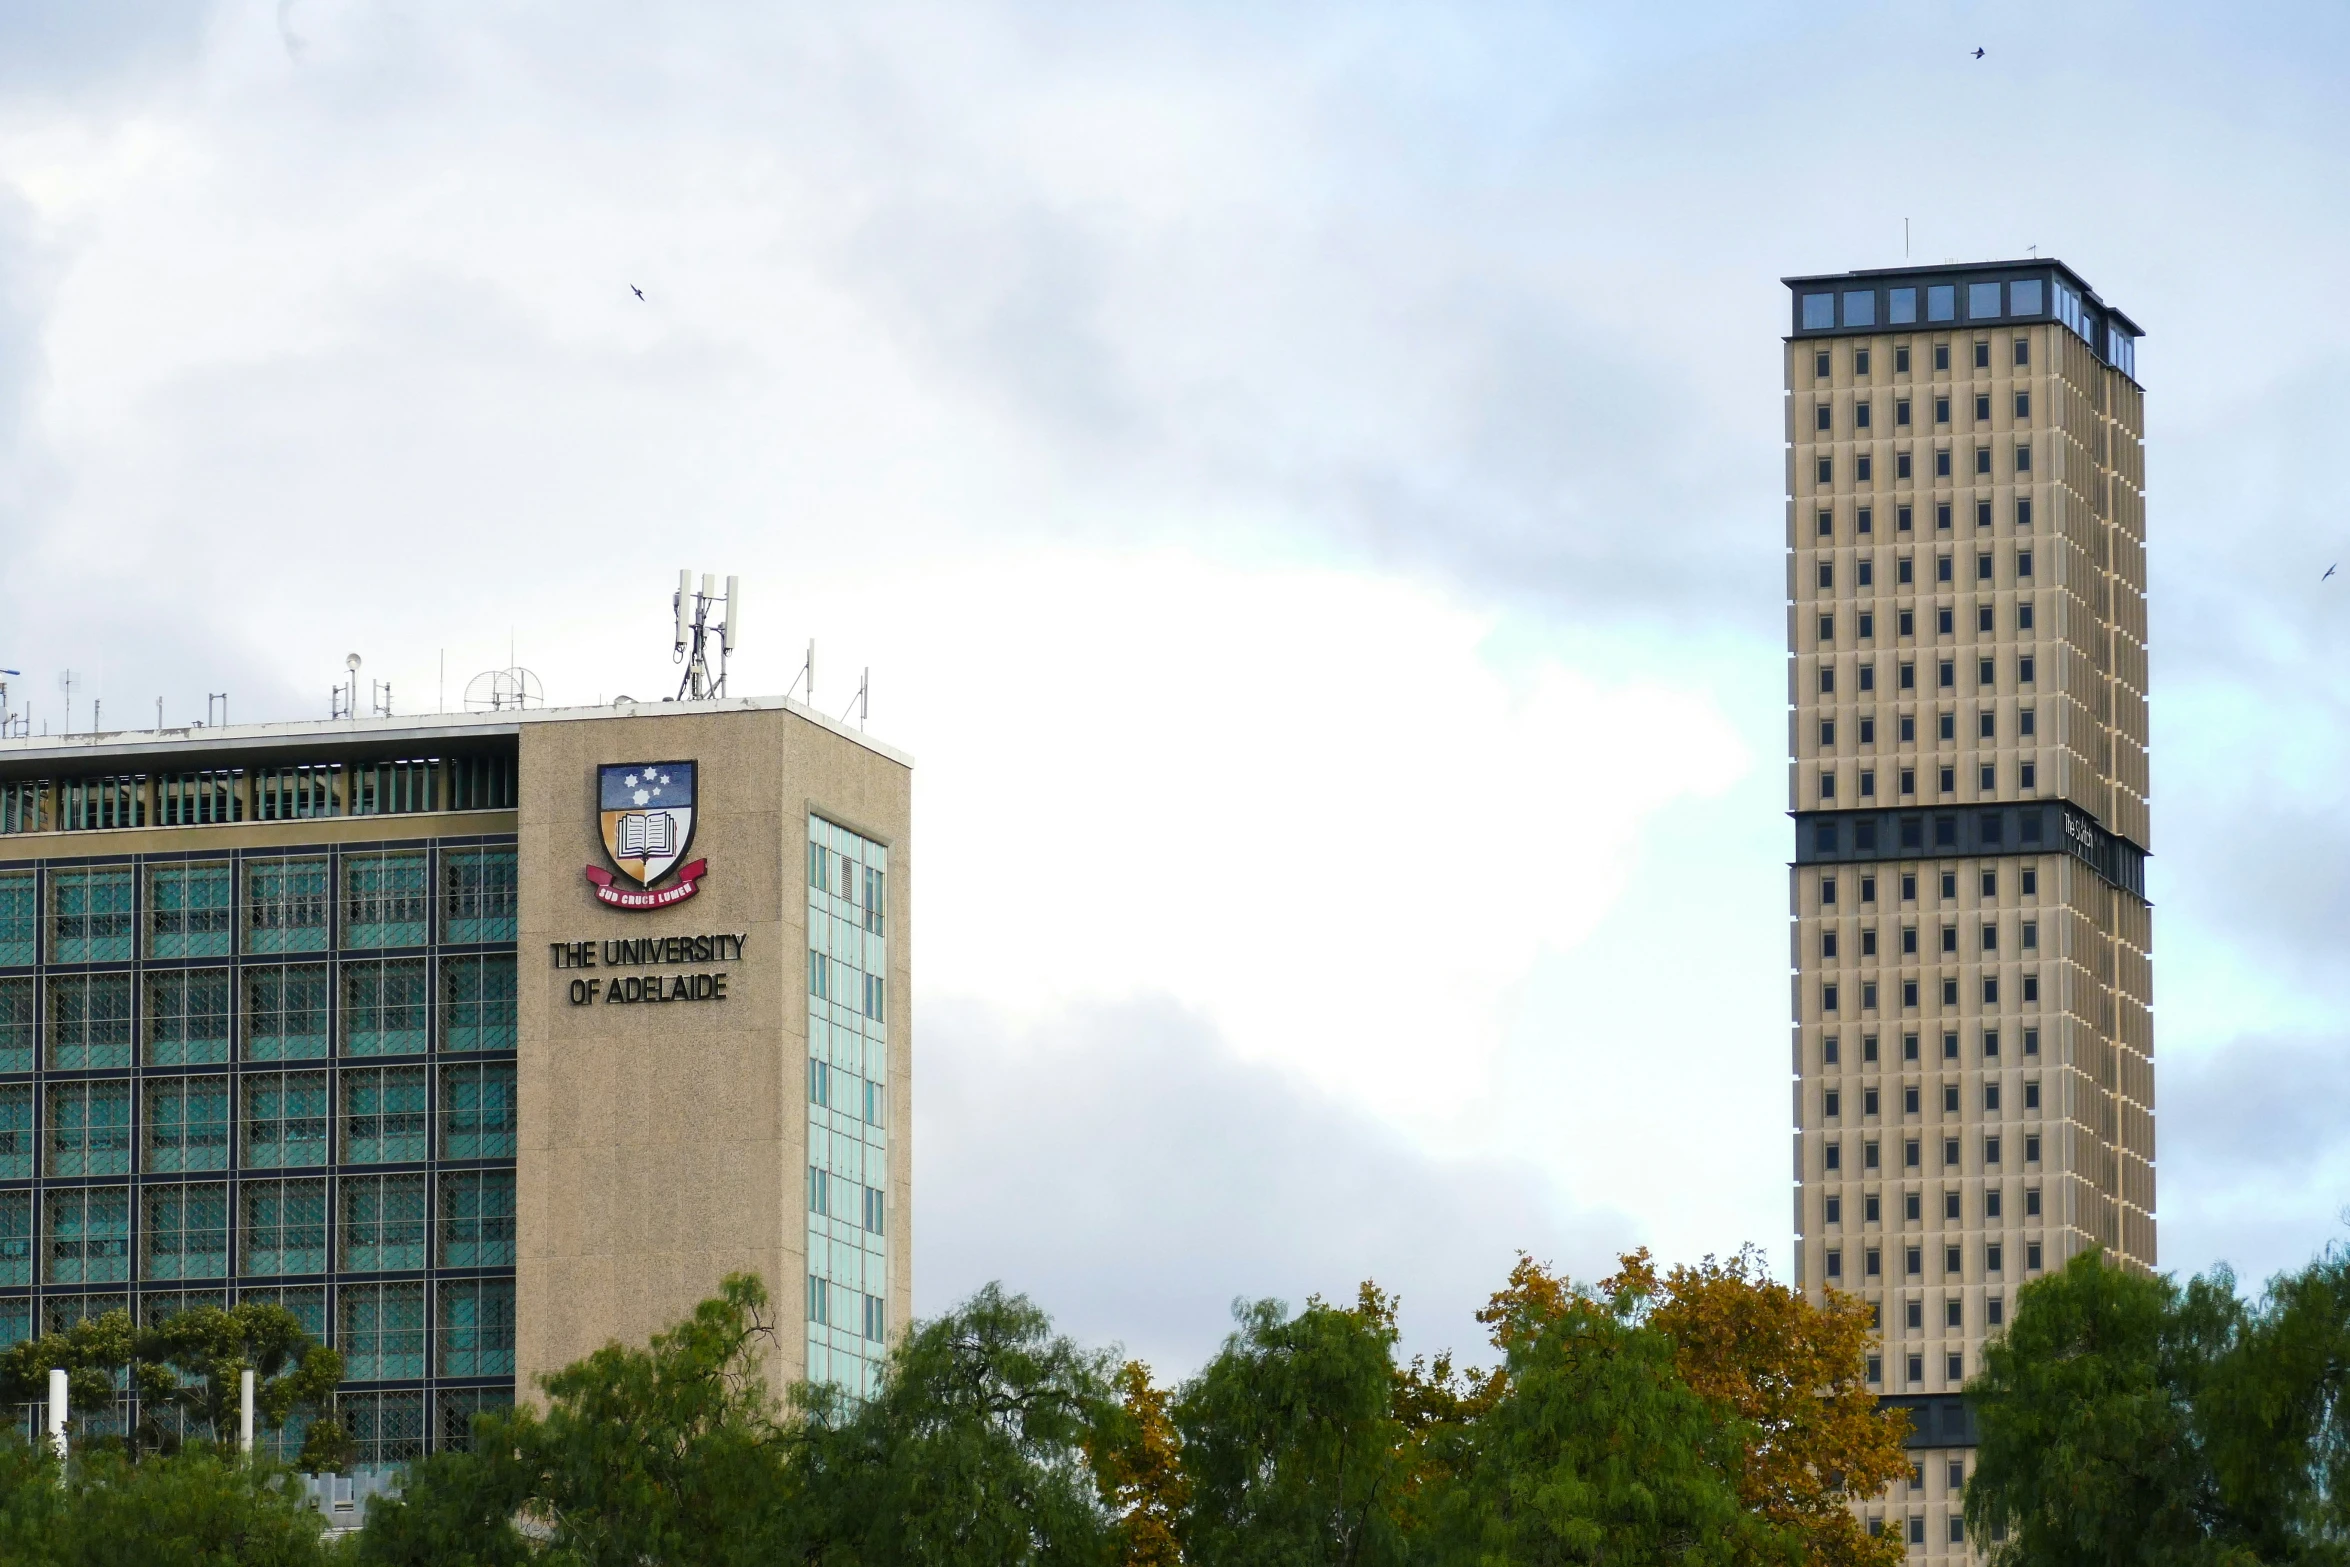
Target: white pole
[57, 1411]
[245, 1411]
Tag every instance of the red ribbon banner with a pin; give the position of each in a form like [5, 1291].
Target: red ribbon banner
[620, 898]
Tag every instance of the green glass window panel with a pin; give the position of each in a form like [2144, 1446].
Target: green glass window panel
[385, 1118]
[386, 900]
[478, 1118]
[306, 1301]
[190, 911]
[285, 1120]
[282, 1229]
[16, 1242]
[187, 1125]
[186, 1230]
[286, 905]
[476, 1327]
[386, 1008]
[286, 1012]
[386, 1426]
[16, 1321]
[18, 922]
[477, 1219]
[478, 894]
[89, 1021]
[457, 1407]
[16, 1024]
[90, 1128]
[157, 1307]
[187, 1021]
[380, 1330]
[92, 911]
[17, 1135]
[478, 1002]
[383, 1223]
[88, 1234]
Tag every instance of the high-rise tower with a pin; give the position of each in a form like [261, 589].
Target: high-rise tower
[1966, 637]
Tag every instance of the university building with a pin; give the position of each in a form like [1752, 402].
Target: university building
[477, 1040]
[1966, 620]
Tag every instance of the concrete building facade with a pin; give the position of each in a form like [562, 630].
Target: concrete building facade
[385, 1020]
[1967, 705]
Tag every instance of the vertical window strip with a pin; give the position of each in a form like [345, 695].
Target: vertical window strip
[187, 1016]
[476, 1225]
[478, 1001]
[91, 914]
[16, 1024]
[89, 1021]
[191, 912]
[384, 1114]
[286, 1012]
[19, 924]
[385, 1011]
[386, 899]
[477, 1111]
[286, 905]
[187, 1124]
[285, 1120]
[478, 894]
[185, 1230]
[284, 1231]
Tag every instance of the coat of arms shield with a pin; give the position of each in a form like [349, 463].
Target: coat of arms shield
[648, 816]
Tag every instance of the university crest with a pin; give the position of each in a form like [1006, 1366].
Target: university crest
[647, 814]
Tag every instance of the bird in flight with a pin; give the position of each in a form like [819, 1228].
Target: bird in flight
[1978, 53]
[2330, 570]
[640, 293]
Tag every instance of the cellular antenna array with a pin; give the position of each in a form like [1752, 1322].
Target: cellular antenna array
[694, 633]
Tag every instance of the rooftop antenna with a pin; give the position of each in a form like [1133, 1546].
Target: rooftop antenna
[1905, 239]
[691, 645]
[211, 697]
[805, 681]
[66, 681]
[863, 703]
[344, 702]
[10, 725]
[501, 690]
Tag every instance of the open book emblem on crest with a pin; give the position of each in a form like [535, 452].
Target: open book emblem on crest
[647, 812]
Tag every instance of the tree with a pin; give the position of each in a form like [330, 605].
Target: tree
[92, 1353]
[2095, 1442]
[1139, 1468]
[1591, 1448]
[194, 1361]
[973, 1449]
[1292, 1441]
[196, 1508]
[667, 1454]
[1794, 1379]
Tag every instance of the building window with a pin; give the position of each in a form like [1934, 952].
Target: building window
[2023, 457]
[90, 1128]
[1832, 1157]
[1941, 305]
[185, 1231]
[1860, 411]
[1983, 349]
[187, 1125]
[91, 918]
[17, 1133]
[1911, 1155]
[382, 1223]
[476, 1221]
[1862, 469]
[1819, 314]
[2031, 987]
[384, 1115]
[478, 1002]
[19, 925]
[1942, 404]
[385, 900]
[1820, 418]
[476, 1333]
[385, 1007]
[187, 1022]
[478, 894]
[478, 1118]
[1827, 524]
[285, 1120]
[190, 912]
[87, 1235]
[1901, 517]
[283, 1227]
[286, 905]
[1826, 469]
[286, 1012]
[2023, 563]
[1835, 1264]
[89, 1021]
[1942, 462]
[380, 1330]
[2023, 405]
[2023, 670]
[1909, 993]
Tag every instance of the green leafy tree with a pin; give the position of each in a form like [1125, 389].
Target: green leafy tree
[2097, 1412]
[93, 1353]
[1292, 1441]
[974, 1449]
[666, 1454]
[196, 1508]
[194, 1361]
[1592, 1448]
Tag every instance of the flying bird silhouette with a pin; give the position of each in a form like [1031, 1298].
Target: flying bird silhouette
[2330, 570]
[1978, 54]
[640, 293]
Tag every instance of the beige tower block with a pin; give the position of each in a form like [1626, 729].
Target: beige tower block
[665, 1146]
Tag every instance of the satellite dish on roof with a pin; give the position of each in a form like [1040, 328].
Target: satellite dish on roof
[496, 690]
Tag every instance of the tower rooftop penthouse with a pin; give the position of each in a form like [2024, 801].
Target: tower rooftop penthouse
[478, 1040]
[1968, 777]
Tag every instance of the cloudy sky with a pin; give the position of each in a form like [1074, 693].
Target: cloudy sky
[1306, 483]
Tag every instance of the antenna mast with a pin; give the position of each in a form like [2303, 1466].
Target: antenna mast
[10, 724]
[695, 633]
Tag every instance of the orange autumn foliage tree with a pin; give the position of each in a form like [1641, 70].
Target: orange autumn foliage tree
[1796, 1374]
[1141, 1474]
